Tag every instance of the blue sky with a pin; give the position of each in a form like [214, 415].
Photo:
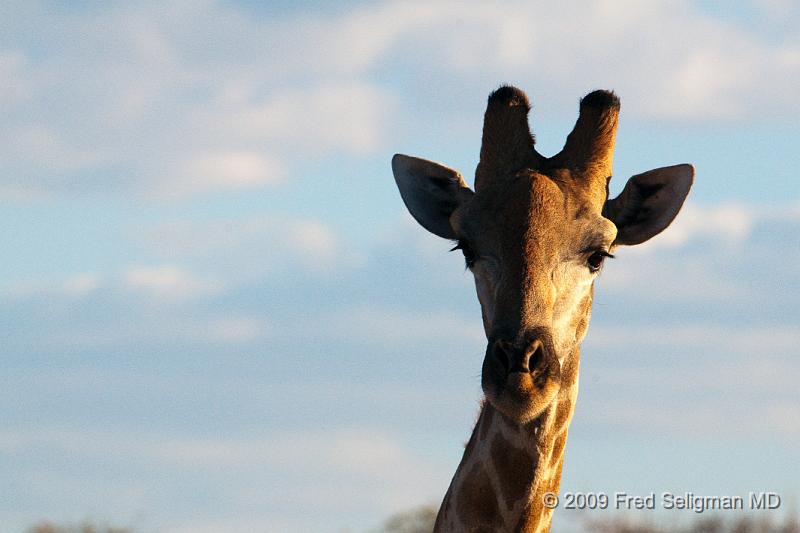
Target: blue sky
[216, 315]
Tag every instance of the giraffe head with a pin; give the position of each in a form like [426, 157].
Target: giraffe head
[535, 233]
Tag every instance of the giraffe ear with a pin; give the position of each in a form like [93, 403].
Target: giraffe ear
[649, 203]
[430, 191]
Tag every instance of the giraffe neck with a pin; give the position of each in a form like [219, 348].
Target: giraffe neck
[507, 468]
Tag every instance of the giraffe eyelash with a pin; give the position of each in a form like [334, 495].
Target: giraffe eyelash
[469, 255]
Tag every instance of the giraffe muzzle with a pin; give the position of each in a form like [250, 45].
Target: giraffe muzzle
[521, 380]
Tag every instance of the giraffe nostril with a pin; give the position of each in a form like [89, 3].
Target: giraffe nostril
[528, 359]
[505, 358]
[518, 361]
[535, 354]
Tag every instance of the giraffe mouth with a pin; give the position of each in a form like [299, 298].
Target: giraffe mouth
[520, 383]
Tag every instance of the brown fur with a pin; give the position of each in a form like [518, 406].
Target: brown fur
[515, 466]
[507, 141]
[475, 503]
[486, 423]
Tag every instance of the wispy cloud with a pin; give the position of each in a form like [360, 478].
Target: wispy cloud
[660, 69]
[14, 89]
[220, 171]
[168, 281]
[159, 120]
[705, 338]
[333, 116]
[260, 245]
[727, 225]
[153, 304]
[281, 472]
[81, 284]
[385, 325]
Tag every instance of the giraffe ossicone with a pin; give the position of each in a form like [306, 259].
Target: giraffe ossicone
[535, 233]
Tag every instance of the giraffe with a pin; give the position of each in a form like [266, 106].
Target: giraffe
[534, 233]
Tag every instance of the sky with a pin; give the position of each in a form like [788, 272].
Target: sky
[217, 316]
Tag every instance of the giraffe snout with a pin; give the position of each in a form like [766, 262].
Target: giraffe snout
[521, 379]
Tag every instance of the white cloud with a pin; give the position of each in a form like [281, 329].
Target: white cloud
[161, 112]
[700, 257]
[727, 223]
[170, 327]
[331, 467]
[82, 284]
[253, 246]
[384, 325]
[13, 87]
[703, 420]
[716, 380]
[222, 171]
[313, 240]
[700, 337]
[237, 329]
[39, 160]
[73, 287]
[346, 116]
[168, 282]
[689, 66]
[163, 115]
[686, 278]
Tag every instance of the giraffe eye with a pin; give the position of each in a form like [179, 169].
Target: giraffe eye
[595, 261]
[469, 255]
